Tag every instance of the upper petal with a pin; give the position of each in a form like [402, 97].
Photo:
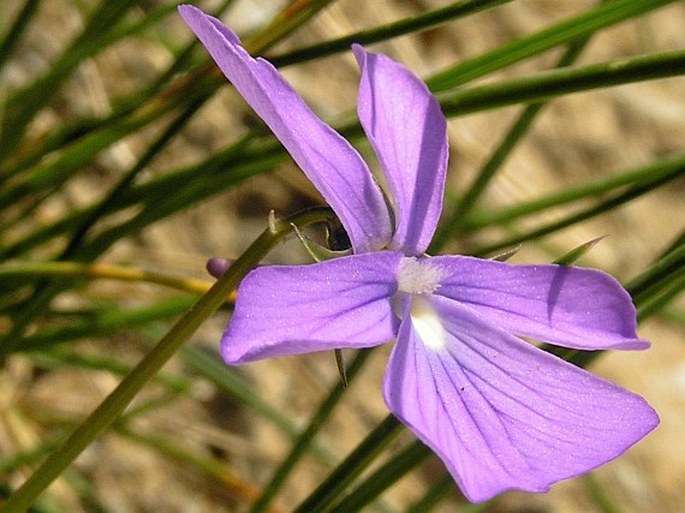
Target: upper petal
[568, 306]
[501, 413]
[408, 132]
[329, 161]
[284, 310]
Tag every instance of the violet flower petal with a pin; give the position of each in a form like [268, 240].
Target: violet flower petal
[408, 132]
[567, 306]
[501, 413]
[329, 161]
[294, 309]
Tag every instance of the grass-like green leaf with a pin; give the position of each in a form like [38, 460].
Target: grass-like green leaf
[22, 106]
[564, 32]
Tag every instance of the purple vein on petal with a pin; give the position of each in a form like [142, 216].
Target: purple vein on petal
[590, 311]
[339, 303]
[509, 411]
[408, 132]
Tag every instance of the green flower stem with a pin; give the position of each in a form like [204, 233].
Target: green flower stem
[549, 84]
[117, 401]
[338, 481]
[301, 445]
[572, 29]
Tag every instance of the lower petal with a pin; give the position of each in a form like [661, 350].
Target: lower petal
[340, 303]
[501, 413]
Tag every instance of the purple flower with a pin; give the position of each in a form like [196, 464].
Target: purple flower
[501, 413]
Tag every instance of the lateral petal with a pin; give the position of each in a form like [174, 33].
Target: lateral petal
[567, 306]
[408, 132]
[329, 161]
[501, 413]
[339, 303]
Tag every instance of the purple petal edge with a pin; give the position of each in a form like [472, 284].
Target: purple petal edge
[501, 413]
[408, 132]
[563, 305]
[329, 161]
[295, 309]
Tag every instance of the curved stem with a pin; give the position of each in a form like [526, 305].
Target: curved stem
[118, 400]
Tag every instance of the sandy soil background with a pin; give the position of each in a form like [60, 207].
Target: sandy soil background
[576, 139]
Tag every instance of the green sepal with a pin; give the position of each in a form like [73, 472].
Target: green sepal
[574, 255]
[506, 255]
[315, 250]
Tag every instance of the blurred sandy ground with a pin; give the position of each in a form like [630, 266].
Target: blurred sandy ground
[576, 139]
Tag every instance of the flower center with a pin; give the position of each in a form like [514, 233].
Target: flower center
[416, 279]
[416, 276]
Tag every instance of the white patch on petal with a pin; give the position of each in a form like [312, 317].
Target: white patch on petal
[428, 325]
[416, 276]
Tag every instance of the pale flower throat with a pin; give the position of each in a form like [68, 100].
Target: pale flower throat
[418, 278]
